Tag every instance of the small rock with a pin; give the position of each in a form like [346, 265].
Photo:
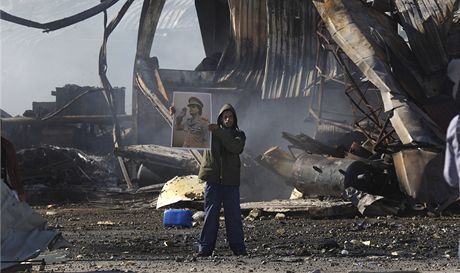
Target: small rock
[198, 216]
[344, 252]
[105, 223]
[280, 231]
[79, 256]
[51, 212]
[193, 269]
[316, 271]
[254, 214]
[280, 217]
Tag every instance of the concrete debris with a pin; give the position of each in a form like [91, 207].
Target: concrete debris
[280, 217]
[254, 214]
[296, 194]
[183, 188]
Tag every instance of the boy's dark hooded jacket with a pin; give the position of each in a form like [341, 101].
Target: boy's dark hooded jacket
[222, 163]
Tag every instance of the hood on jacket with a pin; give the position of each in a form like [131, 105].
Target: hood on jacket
[224, 108]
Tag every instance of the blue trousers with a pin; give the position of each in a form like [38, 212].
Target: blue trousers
[214, 196]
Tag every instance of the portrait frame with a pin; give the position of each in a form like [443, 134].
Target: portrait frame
[190, 126]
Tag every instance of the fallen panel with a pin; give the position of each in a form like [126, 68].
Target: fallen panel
[426, 23]
[420, 175]
[23, 231]
[310, 207]
[370, 40]
[183, 188]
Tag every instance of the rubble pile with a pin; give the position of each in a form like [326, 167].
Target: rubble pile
[53, 173]
[369, 179]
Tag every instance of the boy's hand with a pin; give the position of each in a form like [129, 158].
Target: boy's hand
[212, 127]
[172, 110]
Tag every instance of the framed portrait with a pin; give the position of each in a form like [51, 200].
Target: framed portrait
[191, 120]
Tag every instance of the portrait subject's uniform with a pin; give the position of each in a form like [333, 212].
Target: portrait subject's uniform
[196, 132]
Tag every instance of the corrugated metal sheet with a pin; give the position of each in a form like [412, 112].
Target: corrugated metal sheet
[292, 47]
[243, 61]
[426, 23]
[273, 48]
[178, 14]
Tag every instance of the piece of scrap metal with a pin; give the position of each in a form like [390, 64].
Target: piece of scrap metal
[181, 188]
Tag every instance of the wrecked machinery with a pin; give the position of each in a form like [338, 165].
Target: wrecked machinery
[370, 77]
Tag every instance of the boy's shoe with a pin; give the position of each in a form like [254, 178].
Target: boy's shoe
[240, 253]
[204, 254]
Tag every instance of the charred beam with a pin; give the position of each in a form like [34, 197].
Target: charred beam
[58, 24]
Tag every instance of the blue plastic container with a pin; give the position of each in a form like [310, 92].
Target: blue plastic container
[177, 218]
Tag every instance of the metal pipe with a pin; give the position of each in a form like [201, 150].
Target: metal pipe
[316, 175]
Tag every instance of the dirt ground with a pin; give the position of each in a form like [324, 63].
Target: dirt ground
[129, 236]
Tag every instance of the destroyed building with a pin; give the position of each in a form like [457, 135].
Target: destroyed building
[357, 69]
[364, 85]
[78, 118]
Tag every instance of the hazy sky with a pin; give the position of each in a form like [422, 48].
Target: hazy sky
[34, 63]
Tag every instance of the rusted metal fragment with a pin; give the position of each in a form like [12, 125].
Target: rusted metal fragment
[420, 176]
[279, 160]
[308, 207]
[426, 23]
[184, 188]
[372, 205]
[308, 144]
[358, 150]
[370, 40]
[58, 24]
